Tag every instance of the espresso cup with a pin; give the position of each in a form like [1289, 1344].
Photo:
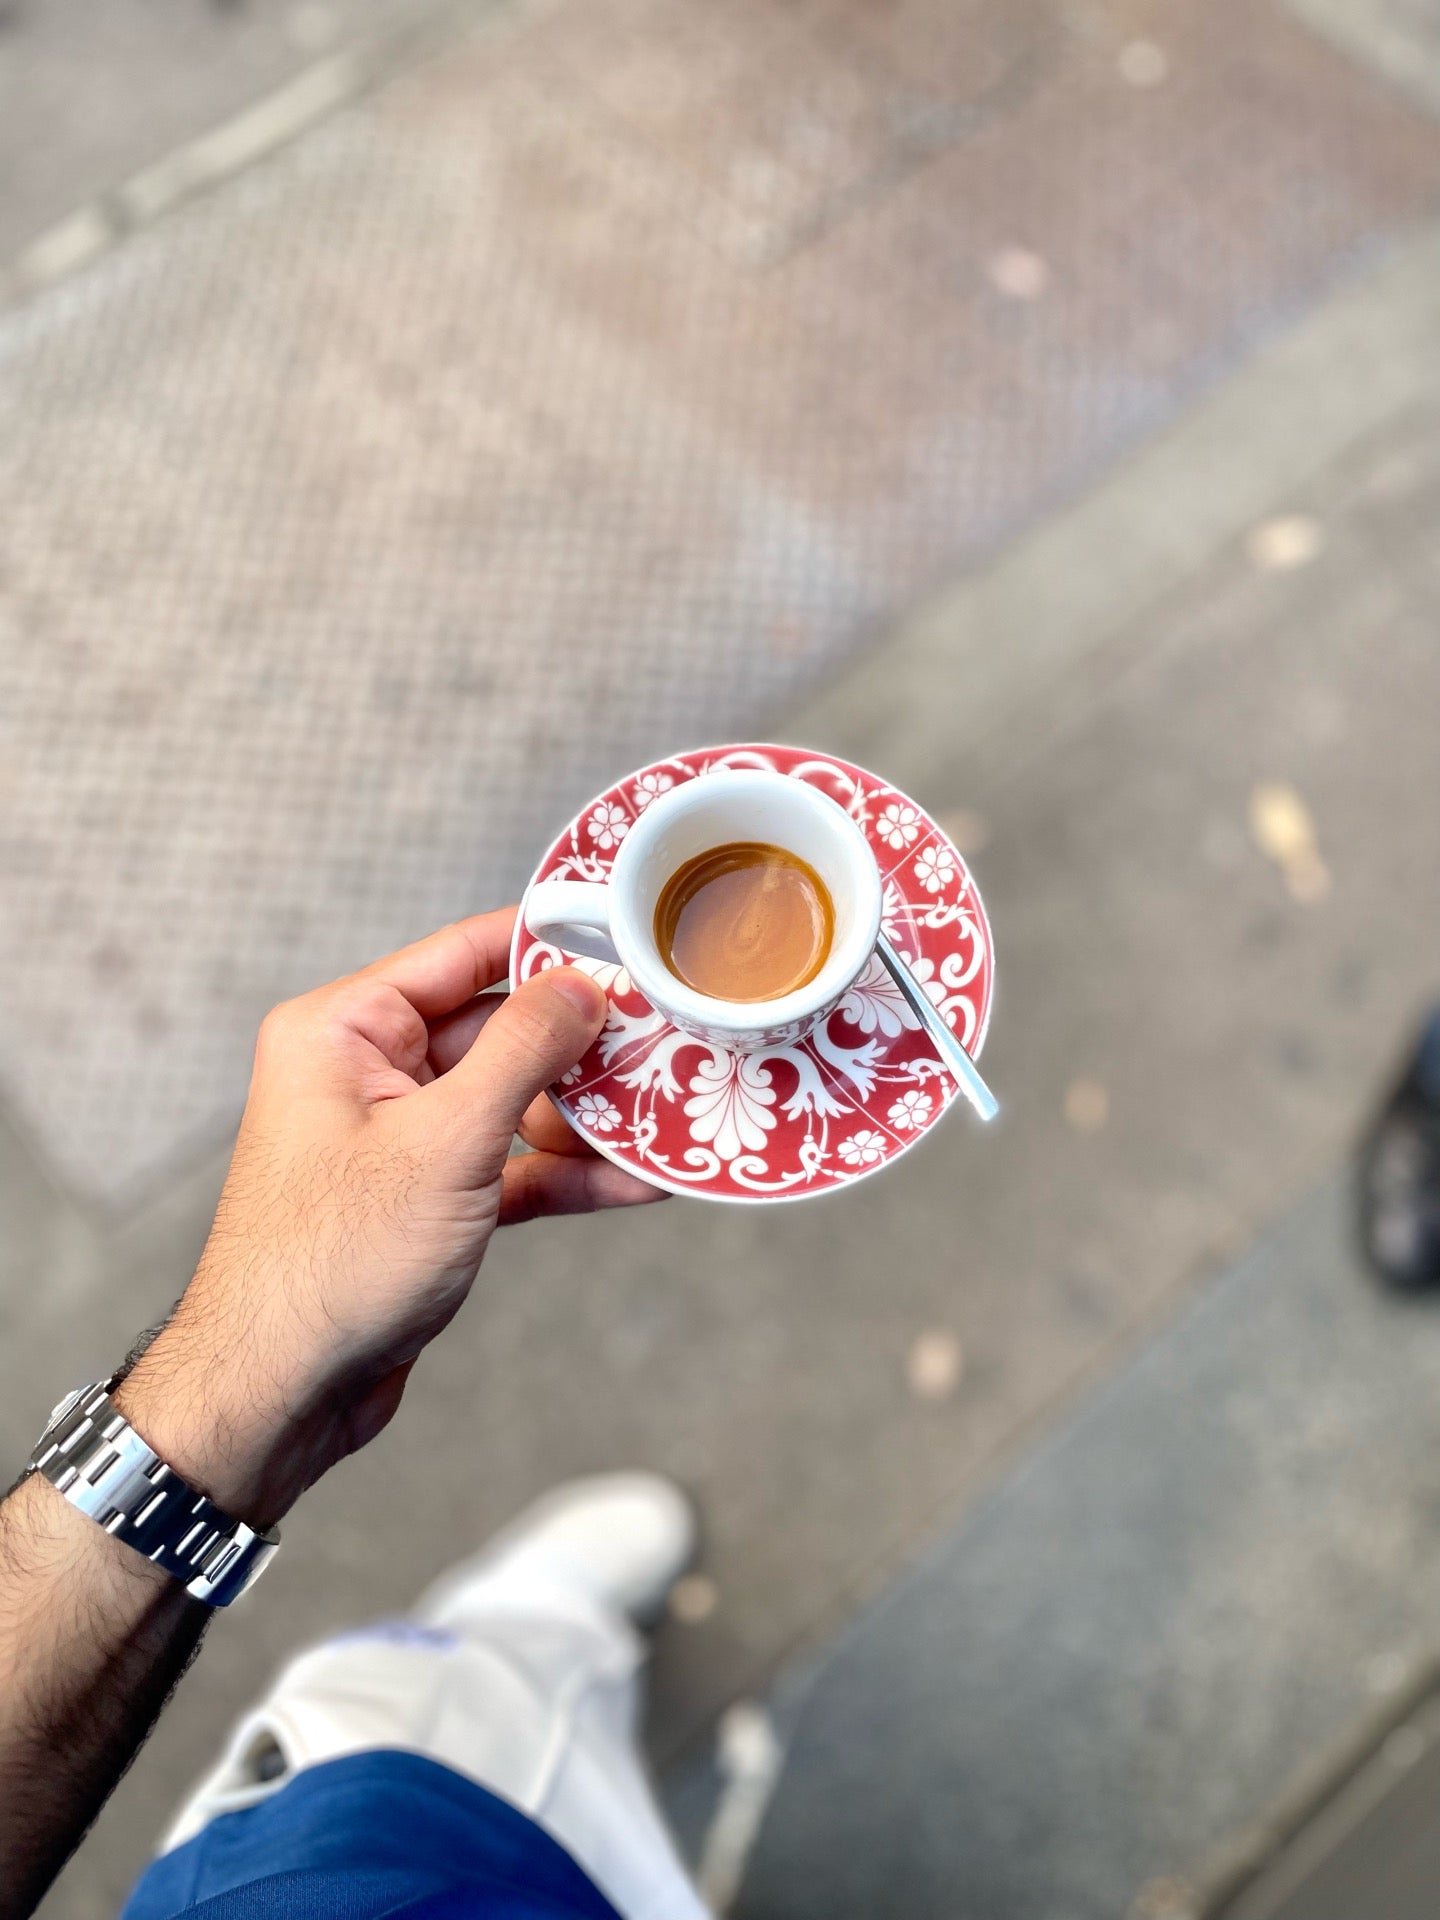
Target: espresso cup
[615, 920]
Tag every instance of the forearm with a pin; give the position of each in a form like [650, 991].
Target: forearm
[92, 1640]
[370, 1171]
[92, 1636]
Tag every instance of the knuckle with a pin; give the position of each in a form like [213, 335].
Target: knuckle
[278, 1023]
[284, 1024]
[360, 1001]
[381, 1010]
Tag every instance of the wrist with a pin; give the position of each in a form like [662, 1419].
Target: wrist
[225, 1443]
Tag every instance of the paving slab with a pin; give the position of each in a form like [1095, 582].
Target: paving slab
[586, 392]
[1182, 1598]
[1182, 1045]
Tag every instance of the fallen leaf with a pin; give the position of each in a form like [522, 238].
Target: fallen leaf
[1280, 823]
[1142, 63]
[934, 1365]
[1087, 1105]
[1282, 828]
[968, 832]
[1308, 879]
[1165, 1899]
[1018, 273]
[693, 1598]
[1281, 545]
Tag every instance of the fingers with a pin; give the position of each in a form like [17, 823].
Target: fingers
[543, 1183]
[453, 1034]
[548, 1131]
[357, 1039]
[540, 1030]
[401, 1021]
[441, 973]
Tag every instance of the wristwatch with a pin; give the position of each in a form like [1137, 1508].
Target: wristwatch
[91, 1453]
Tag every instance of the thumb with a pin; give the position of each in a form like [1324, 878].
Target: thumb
[527, 1043]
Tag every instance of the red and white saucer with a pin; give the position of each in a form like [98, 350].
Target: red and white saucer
[797, 1120]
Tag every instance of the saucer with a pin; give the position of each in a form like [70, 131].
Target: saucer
[789, 1122]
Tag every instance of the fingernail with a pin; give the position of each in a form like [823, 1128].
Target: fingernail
[583, 993]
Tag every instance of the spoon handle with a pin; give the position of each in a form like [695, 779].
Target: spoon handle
[962, 1067]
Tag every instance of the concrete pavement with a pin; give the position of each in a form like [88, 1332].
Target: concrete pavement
[1149, 950]
[1190, 1597]
[1187, 1034]
[653, 352]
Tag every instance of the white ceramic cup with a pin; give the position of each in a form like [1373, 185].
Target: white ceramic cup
[615, 920]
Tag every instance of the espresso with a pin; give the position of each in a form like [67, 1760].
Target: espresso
[745, 921]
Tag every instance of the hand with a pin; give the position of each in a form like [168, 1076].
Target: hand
[370, 1171]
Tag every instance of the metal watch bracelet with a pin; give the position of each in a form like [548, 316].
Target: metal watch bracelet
[91, 1454]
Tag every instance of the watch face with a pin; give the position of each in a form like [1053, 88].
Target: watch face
[72, 1399]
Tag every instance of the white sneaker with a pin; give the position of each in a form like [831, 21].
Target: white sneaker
[617, 1540]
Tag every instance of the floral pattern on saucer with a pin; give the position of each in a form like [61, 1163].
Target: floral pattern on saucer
[790, 1121]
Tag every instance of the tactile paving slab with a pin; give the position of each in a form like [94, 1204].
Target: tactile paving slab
[582, 395]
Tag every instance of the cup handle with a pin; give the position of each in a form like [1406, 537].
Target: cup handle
[574, 915]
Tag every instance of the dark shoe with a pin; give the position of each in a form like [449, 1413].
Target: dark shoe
[1399, 1181]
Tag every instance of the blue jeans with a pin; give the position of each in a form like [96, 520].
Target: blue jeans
[365, 1837]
